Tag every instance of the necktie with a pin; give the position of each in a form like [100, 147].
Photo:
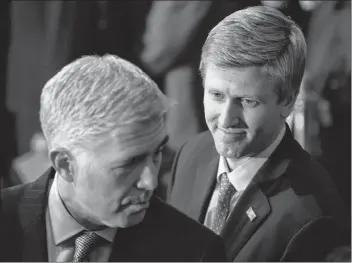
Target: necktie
[84, 245]
[226, 191]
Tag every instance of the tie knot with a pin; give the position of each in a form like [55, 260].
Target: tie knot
[225, 182]
[84, 244]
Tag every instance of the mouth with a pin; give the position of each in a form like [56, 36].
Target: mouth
[137, 208]
[232, 131]
[135, 203]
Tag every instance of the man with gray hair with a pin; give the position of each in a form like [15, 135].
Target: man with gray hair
[246, 178]
[103, 120]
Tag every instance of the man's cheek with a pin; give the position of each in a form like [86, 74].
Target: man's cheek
[254, 119]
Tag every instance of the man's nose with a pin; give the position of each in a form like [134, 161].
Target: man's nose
[149, 177]
[229, 115]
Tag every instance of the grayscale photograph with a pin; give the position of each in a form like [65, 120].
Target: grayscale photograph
[175, 131]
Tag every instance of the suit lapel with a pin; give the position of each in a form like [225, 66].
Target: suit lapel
[253, 207]
[203, 186]
[32, 218]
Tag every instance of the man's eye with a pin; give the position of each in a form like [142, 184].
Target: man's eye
[249, 103]
[132, 162]
[216, 95]
[129, 163]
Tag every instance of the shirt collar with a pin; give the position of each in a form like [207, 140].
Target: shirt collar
[64, 226]
[247, 168]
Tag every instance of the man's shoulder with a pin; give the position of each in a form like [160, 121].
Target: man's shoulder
[168, 231]
[196, 148]
[200, 140]
[27, 193]
[181, 223]
[11, 212]
[304, 164]
[310, 179]
[10, 197]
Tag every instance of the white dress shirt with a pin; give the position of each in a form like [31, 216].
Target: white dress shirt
[240, 176]
[62, 229]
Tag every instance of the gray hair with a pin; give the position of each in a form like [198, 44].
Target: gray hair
[95, 95]
[259, 36]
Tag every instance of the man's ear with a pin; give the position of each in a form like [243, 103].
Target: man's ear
[64, 163]
[287, 107]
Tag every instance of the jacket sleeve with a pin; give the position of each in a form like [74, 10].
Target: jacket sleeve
[215, 252]
[170, 26]
[313, 241]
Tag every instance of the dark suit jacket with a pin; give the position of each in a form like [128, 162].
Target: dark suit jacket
[296, 205]
[164, 235]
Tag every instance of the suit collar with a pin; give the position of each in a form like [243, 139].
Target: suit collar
[253, 202]
[63, 225]
[246, 169]
[279, 160]
[251, 210]
[32, 217]
[128, 243]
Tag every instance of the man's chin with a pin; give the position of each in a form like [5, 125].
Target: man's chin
[133, 219]
[124, 220]
[128, 215]
[229, 151]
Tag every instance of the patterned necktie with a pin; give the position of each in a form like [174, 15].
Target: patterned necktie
[84, 245]
[226, 191]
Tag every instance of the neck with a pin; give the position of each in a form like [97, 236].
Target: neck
[75, 210]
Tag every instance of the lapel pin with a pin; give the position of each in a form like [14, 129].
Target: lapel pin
[250, 213]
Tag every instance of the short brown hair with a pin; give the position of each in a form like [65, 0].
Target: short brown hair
[259, 36]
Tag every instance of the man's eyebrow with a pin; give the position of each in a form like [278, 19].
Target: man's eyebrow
[250, 97]
[161, 144]
[211, 87]
[143, 155]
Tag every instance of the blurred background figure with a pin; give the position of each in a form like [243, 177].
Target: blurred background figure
[339, 254]
[325, 99]
[328, 88]
[169, 52]
[164, 38]
[7, 138]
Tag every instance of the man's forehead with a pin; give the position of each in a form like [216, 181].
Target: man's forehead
[248, 80]
[241, 74]
[137, 137]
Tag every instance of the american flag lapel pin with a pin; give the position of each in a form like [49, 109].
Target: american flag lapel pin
[250, 213]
